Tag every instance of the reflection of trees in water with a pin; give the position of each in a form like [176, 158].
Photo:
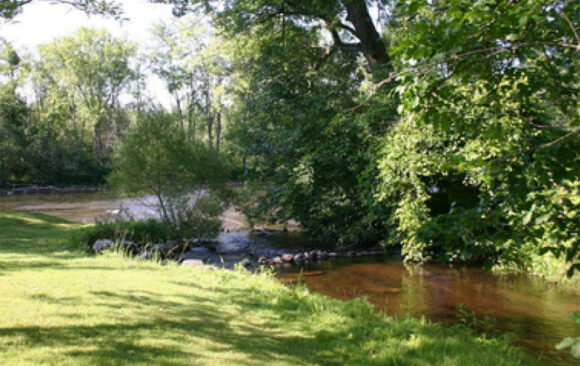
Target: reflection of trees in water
[536, 313]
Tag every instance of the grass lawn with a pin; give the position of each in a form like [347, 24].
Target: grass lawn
[59, 306]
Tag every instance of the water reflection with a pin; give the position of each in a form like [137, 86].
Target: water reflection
[536, 312]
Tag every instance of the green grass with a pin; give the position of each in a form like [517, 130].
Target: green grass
[59, 306]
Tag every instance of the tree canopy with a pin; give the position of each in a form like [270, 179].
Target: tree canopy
[11, 8]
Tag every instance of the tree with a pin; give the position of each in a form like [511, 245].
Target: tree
[347, 22]
[496, 116]
[11, 8]
[85, 75]
[13, 114]
[157, 158]
[306, 160]
[187, 57]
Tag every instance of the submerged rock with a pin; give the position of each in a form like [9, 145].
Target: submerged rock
[233, 243]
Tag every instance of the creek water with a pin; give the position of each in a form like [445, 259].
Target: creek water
[537, 313]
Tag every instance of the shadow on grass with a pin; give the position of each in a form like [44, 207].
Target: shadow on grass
[172, 322]
[193, 329]
[30, 241]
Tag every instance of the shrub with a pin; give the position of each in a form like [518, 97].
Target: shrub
[186, 177]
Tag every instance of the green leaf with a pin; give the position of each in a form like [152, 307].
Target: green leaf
[511, 37]
[565, 343]
[415, 102]
[526, 220]
[415, 6]
[542, 219]
[575, 351]
[401, 46]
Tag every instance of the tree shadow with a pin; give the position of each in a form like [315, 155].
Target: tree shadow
[218, 328]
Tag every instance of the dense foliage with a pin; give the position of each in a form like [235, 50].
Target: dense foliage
[306, 160]
[459, 142]
[66, 136]
[484, 161]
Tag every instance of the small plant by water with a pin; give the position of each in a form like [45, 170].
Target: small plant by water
[484, 325]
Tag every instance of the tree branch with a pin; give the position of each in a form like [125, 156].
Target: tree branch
[346, 27]
[493, 51]
[565, 16]
[560, 139]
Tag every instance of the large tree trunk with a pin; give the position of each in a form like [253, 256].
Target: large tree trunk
[372, 45]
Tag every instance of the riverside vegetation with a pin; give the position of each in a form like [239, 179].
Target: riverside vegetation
[68, 308]
[388, 129]
[446, 129]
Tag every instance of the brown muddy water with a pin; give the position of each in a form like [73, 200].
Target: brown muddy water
[537, 313]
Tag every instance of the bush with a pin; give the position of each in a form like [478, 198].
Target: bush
[201, 221]
[186, 177]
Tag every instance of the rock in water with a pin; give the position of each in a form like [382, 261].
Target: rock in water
[197, 253]
[160, 248]
[246, 262]
[287, 257]
[146, 254]
[298, 257]
[192, 262]
[103, 244]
